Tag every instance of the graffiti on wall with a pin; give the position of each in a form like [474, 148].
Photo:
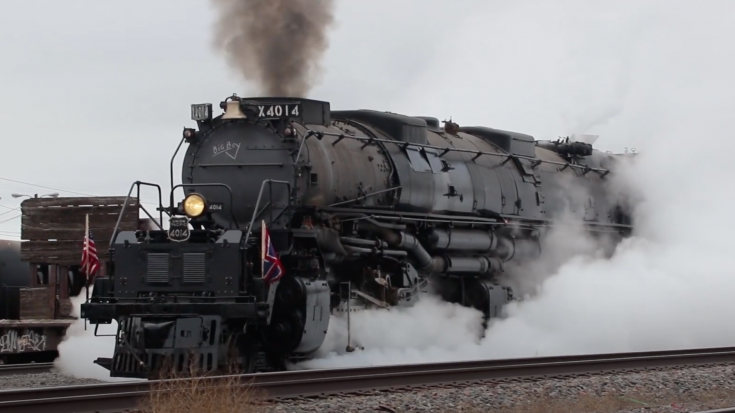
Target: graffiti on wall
[13, 341]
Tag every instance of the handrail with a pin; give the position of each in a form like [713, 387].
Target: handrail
[229, 190]
[125, 204]
[171, 166]
[257, 204]
[445, 150]
[309, 133]
[366, 196]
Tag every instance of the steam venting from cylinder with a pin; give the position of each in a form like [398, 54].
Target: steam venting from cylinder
[275, 44]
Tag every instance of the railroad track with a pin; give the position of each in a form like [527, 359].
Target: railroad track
[29, 368]
[314, 383]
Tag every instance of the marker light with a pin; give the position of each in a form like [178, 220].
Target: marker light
[194, 205]
[190, 134]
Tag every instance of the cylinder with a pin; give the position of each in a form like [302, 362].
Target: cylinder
[517, 249]
[460, 240]
[474, 265]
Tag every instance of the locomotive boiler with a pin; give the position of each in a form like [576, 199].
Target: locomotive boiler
[355, 209]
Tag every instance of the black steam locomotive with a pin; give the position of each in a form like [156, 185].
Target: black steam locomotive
[363, 210]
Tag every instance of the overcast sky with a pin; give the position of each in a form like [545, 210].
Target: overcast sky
[95, 93]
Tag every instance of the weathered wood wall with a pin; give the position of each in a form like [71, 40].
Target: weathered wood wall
[54, 227]
[34, 303]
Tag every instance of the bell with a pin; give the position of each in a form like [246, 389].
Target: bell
[233, 111]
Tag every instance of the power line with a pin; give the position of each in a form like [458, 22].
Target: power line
[7, 212]
[44, 187]
[61, 190]
[10, 219]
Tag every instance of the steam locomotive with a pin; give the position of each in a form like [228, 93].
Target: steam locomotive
[354, 210]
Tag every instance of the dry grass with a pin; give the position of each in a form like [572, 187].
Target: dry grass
[202, 394]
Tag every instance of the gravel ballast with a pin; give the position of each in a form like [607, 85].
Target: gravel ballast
[671, 390]
[33, 380]
[650, 392]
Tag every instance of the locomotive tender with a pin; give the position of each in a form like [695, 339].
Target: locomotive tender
[365, 209]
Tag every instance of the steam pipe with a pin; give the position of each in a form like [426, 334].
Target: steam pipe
[350, 248]
[402, 240]
[505, 249]
[360, 241]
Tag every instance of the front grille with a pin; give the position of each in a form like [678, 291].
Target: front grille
[158, 271]
[194, 268]
[124, 360]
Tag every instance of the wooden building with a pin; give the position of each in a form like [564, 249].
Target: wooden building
[53, 234]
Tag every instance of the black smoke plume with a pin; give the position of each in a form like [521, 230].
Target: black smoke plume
[276, 45]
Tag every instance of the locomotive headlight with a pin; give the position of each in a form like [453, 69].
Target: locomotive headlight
[194, 205]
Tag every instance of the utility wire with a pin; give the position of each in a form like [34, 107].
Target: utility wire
[7, 212]
[45, 187]
[10, 219]
[61, 190]
[10, 209]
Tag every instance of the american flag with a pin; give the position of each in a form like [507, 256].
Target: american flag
[90, 262]
[272, 267]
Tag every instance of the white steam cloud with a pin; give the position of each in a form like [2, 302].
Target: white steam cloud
[81, 347]
[655, 75]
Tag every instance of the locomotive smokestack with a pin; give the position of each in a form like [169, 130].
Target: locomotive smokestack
[276, 44]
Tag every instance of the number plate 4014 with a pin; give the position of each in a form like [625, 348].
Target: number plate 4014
[178, 230]
[292, 110]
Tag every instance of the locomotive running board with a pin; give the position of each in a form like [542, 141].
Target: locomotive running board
[104, 362]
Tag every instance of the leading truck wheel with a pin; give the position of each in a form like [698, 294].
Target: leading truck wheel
[241, 356]
[248, 355]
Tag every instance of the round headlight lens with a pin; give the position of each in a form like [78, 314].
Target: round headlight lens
[194, 205]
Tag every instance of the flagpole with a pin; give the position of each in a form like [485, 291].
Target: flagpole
[86, 255]
[274, 286]
[262, 248]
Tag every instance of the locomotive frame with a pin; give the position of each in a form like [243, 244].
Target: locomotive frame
[410, 207]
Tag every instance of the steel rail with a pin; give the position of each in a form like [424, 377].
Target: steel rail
[725, 410]
[26, 368]
[310, 383]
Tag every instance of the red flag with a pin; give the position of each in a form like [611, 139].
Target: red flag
[90, 262]
[272, 268]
